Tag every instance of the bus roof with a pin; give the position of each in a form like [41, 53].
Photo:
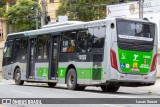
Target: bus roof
[71, 25]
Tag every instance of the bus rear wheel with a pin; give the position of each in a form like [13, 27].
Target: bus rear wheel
[51, 84]
[110, 88]
[72, 80]
[17, 77]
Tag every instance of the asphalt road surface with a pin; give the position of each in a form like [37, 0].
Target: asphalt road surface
[38, 90]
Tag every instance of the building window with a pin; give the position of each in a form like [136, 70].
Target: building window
[51, 1]
[72, 1]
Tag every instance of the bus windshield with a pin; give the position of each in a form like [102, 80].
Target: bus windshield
[135, 30]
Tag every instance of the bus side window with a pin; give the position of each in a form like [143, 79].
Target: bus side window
[8, 50]
[24, 48]
[42, 48]
[84, 41]
[68, 42]
[17, 49]
[98, 38]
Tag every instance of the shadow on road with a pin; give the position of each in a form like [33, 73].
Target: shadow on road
[88, 90]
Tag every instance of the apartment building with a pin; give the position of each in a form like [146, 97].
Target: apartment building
[51, 7]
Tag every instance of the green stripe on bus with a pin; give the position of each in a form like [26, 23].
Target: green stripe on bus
[84, 73]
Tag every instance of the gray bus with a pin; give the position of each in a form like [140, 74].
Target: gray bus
[108, 53]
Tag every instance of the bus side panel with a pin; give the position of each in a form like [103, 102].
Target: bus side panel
[23, 68]
[9, 70]
[41, 71]
[110, 38]
[84, 72]
[5, 71]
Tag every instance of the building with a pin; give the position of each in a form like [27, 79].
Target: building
[50, 7]
[2, 38]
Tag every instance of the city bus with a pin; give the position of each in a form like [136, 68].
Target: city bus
[106, 53]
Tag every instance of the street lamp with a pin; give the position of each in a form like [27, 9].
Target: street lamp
[33, 8]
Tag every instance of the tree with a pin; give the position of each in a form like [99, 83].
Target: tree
[2, 11]
[2, 8]
[84, 10]
[21, 16]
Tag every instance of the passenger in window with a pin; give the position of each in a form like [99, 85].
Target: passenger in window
[71, 46]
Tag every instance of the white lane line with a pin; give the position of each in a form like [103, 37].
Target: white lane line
[22, 92]
[112, 105]
[120, 96]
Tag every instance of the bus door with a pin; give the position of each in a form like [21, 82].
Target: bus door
[31, 61]
[54, 58]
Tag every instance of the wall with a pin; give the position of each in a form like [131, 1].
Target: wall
[51, 9]
[1, 57]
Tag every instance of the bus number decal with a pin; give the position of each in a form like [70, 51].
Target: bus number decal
[82, 57]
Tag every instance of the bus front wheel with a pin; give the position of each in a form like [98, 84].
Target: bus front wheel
[17, 77]
[110, 88]
[72, 80]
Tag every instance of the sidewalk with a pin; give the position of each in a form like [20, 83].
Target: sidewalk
[0, 75]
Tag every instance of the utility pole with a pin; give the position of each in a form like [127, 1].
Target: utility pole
[43, 12]
[141, 9]
[36, 18]
[36, 15]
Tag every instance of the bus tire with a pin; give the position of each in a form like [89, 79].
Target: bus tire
[17, 77]
[72, 80]
[110, 88]
[51, 84]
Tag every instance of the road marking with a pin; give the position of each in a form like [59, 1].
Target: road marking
[112, 105]
[120, 96]
[1, 106]
[23, 92]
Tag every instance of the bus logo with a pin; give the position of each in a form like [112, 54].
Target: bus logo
[135, 57]
[122, 65]
[127, 66]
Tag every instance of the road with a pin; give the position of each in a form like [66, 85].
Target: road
[38, 90]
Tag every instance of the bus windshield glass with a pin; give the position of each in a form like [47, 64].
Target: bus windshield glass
[136, 30]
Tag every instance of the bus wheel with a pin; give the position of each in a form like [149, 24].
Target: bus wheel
[51, 84]
[110, 88]
[17, 77]
[72, 80]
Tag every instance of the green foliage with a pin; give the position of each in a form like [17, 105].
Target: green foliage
[21, 15]
[2, 3]
[2, 8]
[84, 10]
[2, 11]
